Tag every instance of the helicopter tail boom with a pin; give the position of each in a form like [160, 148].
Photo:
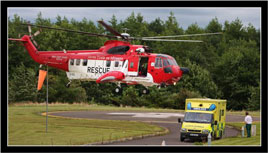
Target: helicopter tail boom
[29, 46]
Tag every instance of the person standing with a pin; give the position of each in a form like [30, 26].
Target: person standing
[248, 121]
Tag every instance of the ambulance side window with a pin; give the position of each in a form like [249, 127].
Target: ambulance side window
[131, 65]
[72, 62]
[220, 116]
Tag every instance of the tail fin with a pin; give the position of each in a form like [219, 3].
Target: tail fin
[26, 40]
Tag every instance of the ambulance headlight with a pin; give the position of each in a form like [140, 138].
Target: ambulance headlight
[183, 129]
[205, 131]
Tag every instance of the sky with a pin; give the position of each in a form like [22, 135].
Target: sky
[184, 15]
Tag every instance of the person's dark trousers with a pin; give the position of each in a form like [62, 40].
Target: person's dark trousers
[248, 127]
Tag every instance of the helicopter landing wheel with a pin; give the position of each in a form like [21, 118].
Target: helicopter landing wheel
[162, 85]
[118, 90]
[145, 91]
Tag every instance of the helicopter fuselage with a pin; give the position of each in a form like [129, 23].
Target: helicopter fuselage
[116, 61]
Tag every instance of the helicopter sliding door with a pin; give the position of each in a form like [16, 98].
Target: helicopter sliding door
[143, 66]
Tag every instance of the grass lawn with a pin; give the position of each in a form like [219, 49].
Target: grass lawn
[252, 141]
[242, 113]
[26, 126]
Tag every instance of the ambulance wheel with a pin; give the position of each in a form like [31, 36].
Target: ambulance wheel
[215, 136]
[220, 134]
[182, 139]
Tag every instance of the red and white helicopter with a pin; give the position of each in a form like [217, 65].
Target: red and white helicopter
[116, 61]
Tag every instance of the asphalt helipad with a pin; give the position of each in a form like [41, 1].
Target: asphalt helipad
[167, 120]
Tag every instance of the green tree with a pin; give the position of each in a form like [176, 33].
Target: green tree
[172, 26]
[200, 80]
[237, 72]
[156, 26]
[22, 85]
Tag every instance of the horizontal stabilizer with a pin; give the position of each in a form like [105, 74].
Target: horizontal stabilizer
[17, 39]
[111, 76]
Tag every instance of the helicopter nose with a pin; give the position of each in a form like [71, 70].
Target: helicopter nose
[178, 72]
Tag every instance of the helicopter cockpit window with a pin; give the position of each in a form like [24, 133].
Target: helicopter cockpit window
[173, 61]
[158, 62]
[84, 62]
[108, 63]
[77, 61]
[116, 64]
[168, 61]
[72, 62]
[118, 50]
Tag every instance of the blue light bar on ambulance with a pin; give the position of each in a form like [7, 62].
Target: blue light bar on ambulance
[189, 106]
[211, 108]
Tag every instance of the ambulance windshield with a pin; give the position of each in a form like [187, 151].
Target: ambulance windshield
[198, 117]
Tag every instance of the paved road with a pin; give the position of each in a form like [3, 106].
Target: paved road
[167, 120]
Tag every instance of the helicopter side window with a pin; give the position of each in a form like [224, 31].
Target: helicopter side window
[72, 62]
[131, 65]
[108, 63]
[118, 50]
[77, 61]
[116, 64]
[158, 62]
[84, 62]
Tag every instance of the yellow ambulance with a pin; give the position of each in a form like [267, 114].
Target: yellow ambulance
[203, 116]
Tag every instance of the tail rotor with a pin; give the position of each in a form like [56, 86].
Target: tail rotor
[34, 35]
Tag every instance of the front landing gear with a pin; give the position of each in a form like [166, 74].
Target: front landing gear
[68, 84]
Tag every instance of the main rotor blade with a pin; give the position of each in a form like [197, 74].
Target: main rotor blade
[68, 30]
[145, 39]
[110, 29]
[189, 35]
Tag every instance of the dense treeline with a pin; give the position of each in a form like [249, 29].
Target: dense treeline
[225, 66]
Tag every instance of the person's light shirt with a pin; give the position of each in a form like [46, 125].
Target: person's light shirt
[248, 119]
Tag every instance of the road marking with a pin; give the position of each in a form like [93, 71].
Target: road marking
[150, 115]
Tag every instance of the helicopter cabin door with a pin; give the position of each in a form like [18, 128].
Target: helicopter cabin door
[157, 71]
[133, 64]
[143, 66]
